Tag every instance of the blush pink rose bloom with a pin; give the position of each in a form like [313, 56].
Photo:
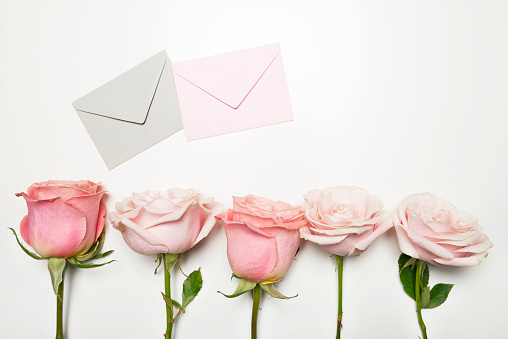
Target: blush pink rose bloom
[344, 220]
[171, 221]
[65, 218]
[262, 237]
[433, 230]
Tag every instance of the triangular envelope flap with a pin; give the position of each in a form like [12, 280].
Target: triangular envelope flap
[128, 96]
[231, 76]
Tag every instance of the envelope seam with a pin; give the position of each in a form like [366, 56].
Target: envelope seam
[149, 106]
[246, 95]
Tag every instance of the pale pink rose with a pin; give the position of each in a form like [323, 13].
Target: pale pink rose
[171, 221]
[64, 219]
[344, 220]
[262, 237]
[433, 230]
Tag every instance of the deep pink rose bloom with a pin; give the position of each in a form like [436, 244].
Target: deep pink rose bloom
[65, 218]
[262, 237]
[344, 220]
[433, 230]
[171, 221]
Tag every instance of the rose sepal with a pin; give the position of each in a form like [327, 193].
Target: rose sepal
[56, 267]
[274, 293]
[29, 253]
[94, 252]
[244, 286]
[78, 264]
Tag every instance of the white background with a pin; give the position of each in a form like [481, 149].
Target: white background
[397, 97]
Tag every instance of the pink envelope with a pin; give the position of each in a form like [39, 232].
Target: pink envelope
[232, 92]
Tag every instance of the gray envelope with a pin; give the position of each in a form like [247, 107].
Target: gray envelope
[132, 112]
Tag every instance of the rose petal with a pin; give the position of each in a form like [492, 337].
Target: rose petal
[89, 205]
[306, 234]
[60, 189]
[56, 227]
[151, 219]
[24, 229]
[381, 228]
[101, 220]
[483, 245]
[140, 240]
[473, 260]
[344, 248]
[405, 244]
[287, 242]
[433, 248]
[179, 235]
[343, 231]
[212, 208]
[251, 255]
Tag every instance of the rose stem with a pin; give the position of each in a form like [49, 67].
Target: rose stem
[340, 266]
[167, 291]
[255, 309]
[59, 309]
[420, 268]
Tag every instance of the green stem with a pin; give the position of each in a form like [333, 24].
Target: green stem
[255, 309]
[420, 268]
[167, 291]
[340, 268]
[59, 310]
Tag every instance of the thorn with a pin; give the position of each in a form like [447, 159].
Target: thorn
[339, 320]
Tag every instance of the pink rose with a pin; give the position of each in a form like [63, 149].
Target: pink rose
[65, 218]
[262, 237]
[343, 220]
[171, 221]
[433, 230]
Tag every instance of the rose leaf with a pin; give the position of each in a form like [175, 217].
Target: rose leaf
[425, 296]
[407, 276]
[438, 295]
[191, 287]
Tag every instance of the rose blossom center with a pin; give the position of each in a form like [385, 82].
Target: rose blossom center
[343, 209]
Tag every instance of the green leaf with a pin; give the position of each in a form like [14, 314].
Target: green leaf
[56, 267]
[272, 291]
[243, 287]
[31, 254]
[77, 264]
[407, 275]
[425, 296]
[191, 287]
[438, 295]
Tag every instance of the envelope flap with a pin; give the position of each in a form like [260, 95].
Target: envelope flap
[127, 97]
[231, 76]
